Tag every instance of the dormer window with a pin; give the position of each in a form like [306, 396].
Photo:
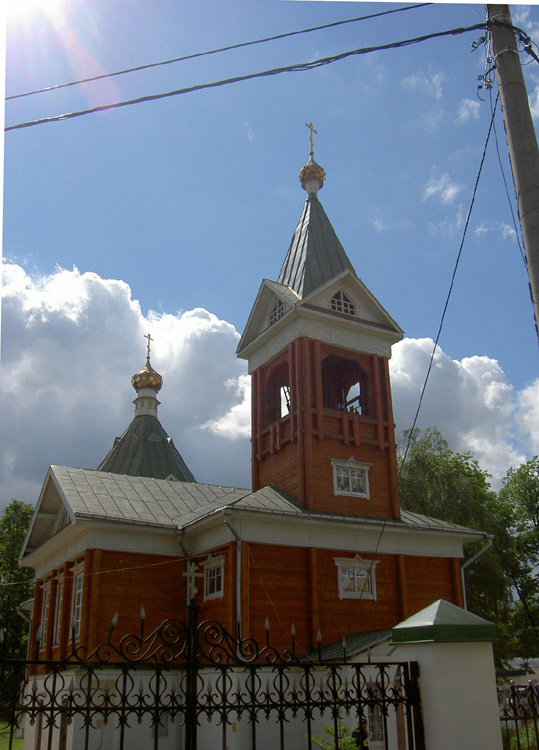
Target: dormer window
[277, 312]
[342, 304]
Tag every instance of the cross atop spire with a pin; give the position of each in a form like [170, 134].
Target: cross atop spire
[147, 336]
[311, 128]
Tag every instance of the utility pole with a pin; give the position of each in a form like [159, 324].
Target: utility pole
[521, 140]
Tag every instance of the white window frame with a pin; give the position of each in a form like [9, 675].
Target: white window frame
[213, 563]
[340, 302]
[76, 601]
[357, 563]
[347, 468]
[277, 311]
[45, 614]
[58, 611]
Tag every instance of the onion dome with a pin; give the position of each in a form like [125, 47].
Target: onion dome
[147, 378]
[312, 176]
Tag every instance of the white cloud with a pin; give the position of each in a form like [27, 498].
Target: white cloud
[378, 225]
[470, 401]
[428, 84]
[528, 415]
[70, 345]
[441, 188]
[534, 102]
[71, 342]
[448, 225]
[500, 227]
[468, 109]
[249, 131]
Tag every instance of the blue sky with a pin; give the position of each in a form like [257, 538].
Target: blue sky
[190, 201]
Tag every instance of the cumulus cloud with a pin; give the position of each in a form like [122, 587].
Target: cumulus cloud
[71, 342]
[470, 401]
[441, 188]
[468, 109]
[70, 345]
[499, 227]
[428, 84]
[534, 102]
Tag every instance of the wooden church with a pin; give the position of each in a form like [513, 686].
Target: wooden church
[319, 543]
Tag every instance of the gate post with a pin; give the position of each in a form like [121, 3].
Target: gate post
[457, 680]
[191, 678]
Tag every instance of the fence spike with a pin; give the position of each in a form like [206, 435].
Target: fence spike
[266, 625]
[293, 629]
[142, 613]
[1, 636]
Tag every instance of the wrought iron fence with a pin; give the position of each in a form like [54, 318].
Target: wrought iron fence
[519, 716]
[189, 683]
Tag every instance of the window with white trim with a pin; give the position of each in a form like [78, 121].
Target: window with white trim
[356, 577]
[45, 615]
[76, 603]
[350, 478]
[343, 304]
[277, 312]
[58, 612]
[214, 577]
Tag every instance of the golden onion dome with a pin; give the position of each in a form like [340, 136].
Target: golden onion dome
[312, 176]
[147, 378]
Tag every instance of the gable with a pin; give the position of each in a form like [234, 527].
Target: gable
[260, 318]
[51, 515]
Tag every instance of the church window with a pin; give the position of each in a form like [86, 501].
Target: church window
[58, 612]
[45, 616]
[76, 609]
[343, 304]
[277, 312]
[278, 394]
[356, 577]
[214, 577]
[344, 385]
[350, 478]
[376, 724]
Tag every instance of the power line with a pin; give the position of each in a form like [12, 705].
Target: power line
[299, 67]
[215, 51]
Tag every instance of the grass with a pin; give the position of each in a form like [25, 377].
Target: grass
[4, 739]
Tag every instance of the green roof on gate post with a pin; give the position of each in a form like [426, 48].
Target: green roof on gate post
[443, 622]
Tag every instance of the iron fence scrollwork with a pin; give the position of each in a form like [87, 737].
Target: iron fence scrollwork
[212, 688]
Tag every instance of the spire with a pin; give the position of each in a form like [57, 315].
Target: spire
[145, 449]
[315, 254]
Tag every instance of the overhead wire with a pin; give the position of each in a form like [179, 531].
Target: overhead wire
[431, 360]
[299, 67]
[228, 48]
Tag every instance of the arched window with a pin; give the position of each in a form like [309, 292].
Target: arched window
[278, 394]
[343, 304]
[277, 312]
[345, 385]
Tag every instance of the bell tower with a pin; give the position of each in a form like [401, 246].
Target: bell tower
[318, 345]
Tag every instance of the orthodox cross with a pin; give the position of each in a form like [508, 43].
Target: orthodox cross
[311, 128]
[191, 576]
[147, 336]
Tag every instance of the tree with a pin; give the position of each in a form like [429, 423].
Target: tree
[437, 482]
[520, 496]
[16, 583]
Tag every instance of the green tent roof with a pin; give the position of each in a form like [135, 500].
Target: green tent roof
[315, 255]
[442, 621]
[145, 450]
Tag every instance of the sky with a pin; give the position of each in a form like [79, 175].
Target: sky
[165, 216]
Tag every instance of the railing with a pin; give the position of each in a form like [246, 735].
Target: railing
[519, 716]
[189, 683]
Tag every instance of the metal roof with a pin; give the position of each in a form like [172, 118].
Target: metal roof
[145, 450]
[97, 494]
[354, 645]
[315, 255]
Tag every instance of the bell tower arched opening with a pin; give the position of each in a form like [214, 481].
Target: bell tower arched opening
[277, 393]
[345, 386]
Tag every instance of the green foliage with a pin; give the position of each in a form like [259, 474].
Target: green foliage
[344, 734]
[524, 739]
[16, 583]
[452, 486]
[520, 497]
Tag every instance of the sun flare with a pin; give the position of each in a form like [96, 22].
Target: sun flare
[28, 8]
